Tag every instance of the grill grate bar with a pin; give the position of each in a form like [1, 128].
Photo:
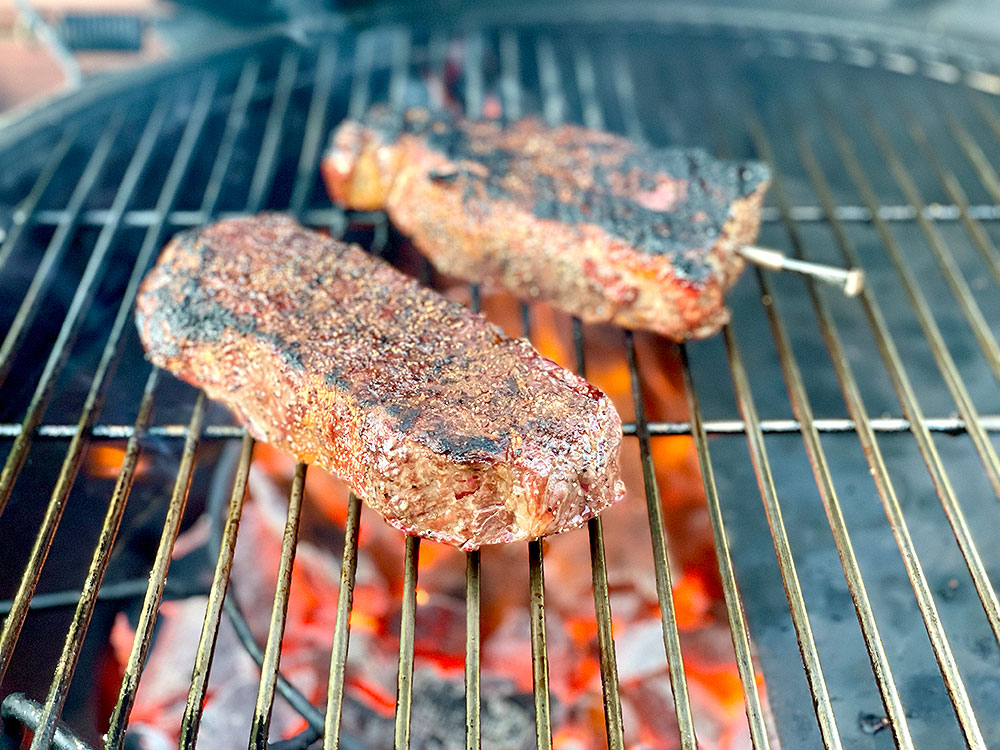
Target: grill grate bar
[982, 241]
[789, 576]
[267, 162]
[928, 610]
[919, 303]
[317, 217]
[734, 604]
[832, 425]
[539, 654]
[664, 588]
[276, 627]
[407, 626]
[198, 689]
[95, 574]
[473, 740]
[821, 469]
[326, 66]
[949, 501]
[115, 736]
[245, 88]
[342, 630]
[942, 253]
[59, 243]
[26, 208]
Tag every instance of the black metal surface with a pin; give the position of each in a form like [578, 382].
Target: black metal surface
[887, 181]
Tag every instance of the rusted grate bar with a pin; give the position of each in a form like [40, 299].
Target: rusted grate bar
[407, 626]
[342, 630]
[63, 674]
[115, 736]
[198, 689]
[279, 611]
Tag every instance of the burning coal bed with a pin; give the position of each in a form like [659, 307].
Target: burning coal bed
[438, 713]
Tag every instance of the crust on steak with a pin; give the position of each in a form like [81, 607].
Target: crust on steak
[437, 420]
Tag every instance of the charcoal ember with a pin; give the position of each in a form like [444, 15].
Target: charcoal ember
[507, 719]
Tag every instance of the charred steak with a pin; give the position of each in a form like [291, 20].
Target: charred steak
[436, 419]
[589, 221]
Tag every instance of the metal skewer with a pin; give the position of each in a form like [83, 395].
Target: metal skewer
[850, 280]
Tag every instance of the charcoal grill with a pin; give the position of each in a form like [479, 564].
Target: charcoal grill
[883, 150]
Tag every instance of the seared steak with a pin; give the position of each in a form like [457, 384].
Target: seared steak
[436, 419]
[589, 221]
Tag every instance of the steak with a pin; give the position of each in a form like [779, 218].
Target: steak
[591, 222]
[436, 419]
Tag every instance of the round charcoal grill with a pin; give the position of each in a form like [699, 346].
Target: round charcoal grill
[862, 586]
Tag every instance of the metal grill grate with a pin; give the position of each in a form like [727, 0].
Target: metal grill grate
[883, 159]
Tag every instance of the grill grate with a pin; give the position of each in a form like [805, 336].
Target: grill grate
[244, 131]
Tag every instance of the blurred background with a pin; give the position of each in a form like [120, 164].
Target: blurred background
[51, 46]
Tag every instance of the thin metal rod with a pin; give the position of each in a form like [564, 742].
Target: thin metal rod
[849, 280]
[58, 244]
[342, 629]
[321, 216]
[24, 213]
[834, 425]
[539, 652]
[730, 590]
[279, 610]
[407, 625]
[115, 736]
[939, 248]
[267, 162]
[305, 179]
[918, 581]
[66, 665]
[817, 457]
[198, 689]
[473, 740]
[664, 587]
[935, 338]
[793, 590]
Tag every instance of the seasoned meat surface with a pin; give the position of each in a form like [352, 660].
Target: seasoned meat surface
[589, 221]
[436, 419]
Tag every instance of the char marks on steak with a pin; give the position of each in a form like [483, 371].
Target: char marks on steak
[440, 422]
[592, 222]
